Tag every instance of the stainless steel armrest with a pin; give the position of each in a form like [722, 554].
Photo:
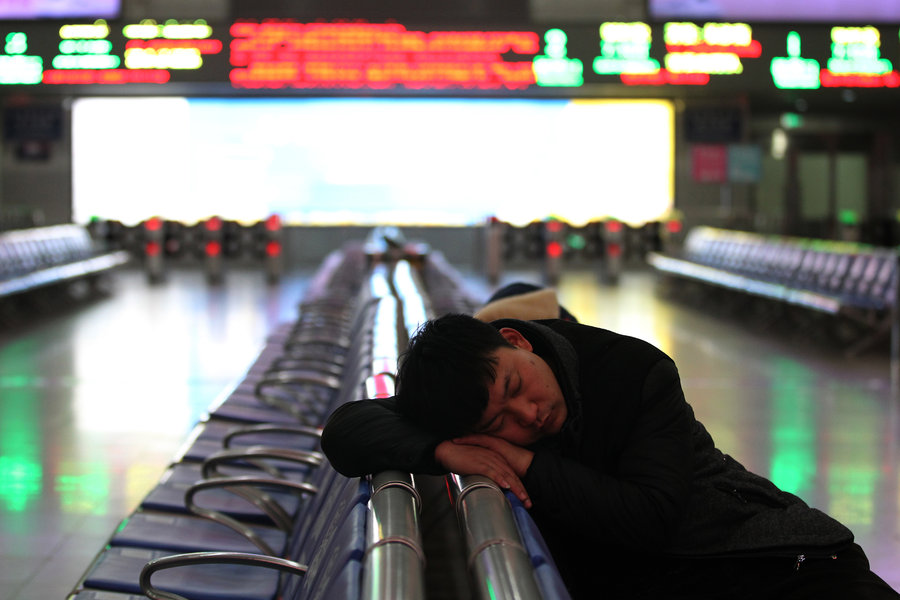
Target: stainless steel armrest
[319, 364]
[394, 564]
[249, 488]
[253, 454]
[283, 381]
[205, 558]
[497, 558]
[396, 479]
[317, 354]
[335, 337]
[303, 430]
[301, 376]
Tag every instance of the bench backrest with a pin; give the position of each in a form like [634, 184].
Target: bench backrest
[858, 273]
[27, 250]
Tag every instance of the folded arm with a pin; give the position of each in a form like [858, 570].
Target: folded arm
[369, 436]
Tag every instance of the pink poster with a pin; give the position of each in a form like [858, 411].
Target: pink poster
[709, 163]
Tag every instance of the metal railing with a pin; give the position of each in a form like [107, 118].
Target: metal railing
[497, 561]
[394, 564]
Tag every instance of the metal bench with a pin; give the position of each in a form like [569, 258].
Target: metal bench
[44, 256]
[853, 282]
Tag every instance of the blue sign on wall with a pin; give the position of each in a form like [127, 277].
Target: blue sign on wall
[744, 163]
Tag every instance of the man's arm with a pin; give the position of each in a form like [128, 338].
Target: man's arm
[369, 436]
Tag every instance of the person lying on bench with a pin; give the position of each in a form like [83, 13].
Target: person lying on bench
[591, 430]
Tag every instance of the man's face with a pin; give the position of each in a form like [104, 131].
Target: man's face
[525, 402]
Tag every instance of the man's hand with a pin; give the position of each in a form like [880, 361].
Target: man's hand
[517, 457]
[474, 455]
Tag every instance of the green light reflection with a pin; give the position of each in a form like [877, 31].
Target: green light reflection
[492, 594]
[854, 472]
[852, 491]
[804, 414]
[793, 429]
[20, 466]
[20, 482]
[83, 488]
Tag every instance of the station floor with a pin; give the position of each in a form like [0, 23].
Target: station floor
[96, 400]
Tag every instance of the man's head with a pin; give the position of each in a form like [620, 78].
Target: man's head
[461, 375]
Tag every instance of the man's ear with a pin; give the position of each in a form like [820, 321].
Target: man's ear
[515, 338]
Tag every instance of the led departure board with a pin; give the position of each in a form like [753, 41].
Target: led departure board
[289, 56]
[102, 53]
[378, 56]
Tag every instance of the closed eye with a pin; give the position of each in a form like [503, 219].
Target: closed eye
[492, 426]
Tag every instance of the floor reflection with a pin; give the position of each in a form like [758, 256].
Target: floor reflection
[94, 403]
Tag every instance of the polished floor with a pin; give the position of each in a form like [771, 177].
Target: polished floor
[95, 401]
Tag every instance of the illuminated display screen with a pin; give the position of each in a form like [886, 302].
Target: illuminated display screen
[783, 11]
[289, 57]
[375, 56]
[58, 9]
[356, 161]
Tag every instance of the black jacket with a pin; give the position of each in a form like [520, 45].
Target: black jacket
[632, 477]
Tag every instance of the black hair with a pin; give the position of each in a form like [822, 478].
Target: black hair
[444, 374]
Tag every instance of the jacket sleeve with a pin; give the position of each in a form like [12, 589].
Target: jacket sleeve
[369, 436]
[638, 502]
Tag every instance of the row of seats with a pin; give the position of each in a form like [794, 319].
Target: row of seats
[43, 256]
[854, 274]
[847, 279]
[250, 508]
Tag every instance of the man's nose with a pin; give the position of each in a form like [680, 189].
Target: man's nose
[525, 411]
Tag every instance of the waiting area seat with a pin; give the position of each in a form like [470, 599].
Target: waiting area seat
[854, 284]
[261, 489]
[37, 258]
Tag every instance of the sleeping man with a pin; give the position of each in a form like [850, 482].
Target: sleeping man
[591, 430]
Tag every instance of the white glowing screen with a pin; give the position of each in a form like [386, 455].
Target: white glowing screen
[372, 161]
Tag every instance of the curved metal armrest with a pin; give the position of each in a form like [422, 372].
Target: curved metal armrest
[303, 430]
[283, 381]
[319, 364]
[247, 487]
[336, 338]
[253, 454]
[321, 316]
[495, 552]
[396, 479]
[281, 378]
[206, 558]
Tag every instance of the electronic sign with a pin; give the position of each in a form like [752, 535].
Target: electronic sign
[275, 55]
[59, 9]
[287, 56]
[776, 11]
